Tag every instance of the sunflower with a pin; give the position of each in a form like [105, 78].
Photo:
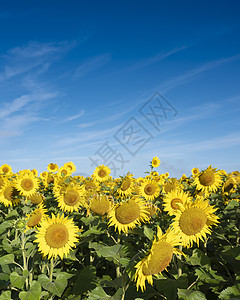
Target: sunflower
[72, 198]
[171, 200]
[194, 220]
[100, 204]
[52, 167]
[6, 169]
[195, 171]
[208, 180]
[36, 217]
[70, 165]
[35, 172]
[170, 185]
[36, 198]
[8, 194]
[129, 214]
[155, 162]
[229, 184]
[27, 184]
[64, 172]
[101, 173]
[149, 189]
[126, 186]
[158, 258]
[151, 209]
[56, 236]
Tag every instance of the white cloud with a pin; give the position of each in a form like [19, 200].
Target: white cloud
[74, 117]
[92, 64]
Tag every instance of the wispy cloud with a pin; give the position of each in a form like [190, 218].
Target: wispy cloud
[191, 74]
[92, 64]
[21, 112]
[22, 59]
[74, 117]
[151, 60]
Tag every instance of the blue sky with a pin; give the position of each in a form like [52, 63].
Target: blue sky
[116, 83]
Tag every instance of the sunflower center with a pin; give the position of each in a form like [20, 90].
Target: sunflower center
[71, 197]
[27, 184]
[168, 187]
[192, 220]
[100, 206]
[150, 189]
[160, 258]
[5, 169]
[8, 191]
[36, 198]
[127, 212]
[57, 235]
[102, 173]
[35, 219]
[174, 203]
[125, 184]
[228, 185]
[207, 178]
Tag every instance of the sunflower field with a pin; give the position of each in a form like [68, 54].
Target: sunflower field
[154, 237]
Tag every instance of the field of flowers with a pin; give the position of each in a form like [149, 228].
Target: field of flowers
[154, 237]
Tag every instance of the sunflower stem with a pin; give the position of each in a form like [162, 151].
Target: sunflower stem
[180, 263]
[25, 264]
[51, 270]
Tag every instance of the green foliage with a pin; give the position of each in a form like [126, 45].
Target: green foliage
[102, 265]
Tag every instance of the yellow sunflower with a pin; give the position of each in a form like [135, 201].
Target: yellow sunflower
[195, 171]
[52, 167]
[126, 186]
[27, 184]
[101, 173]
[56, 236]
[155, 162]
[229, 184]
[72, 198]
[9, 194]
[158, 258]
[63, 172]
[6, 169]
[194, 220]
[171, 200]
[70, 165]
[36, 217]
[170, 185]
[100, 204]
[208, 180]
[149, 189]
[35, 172]
[127, 215]
[151, 209]
[36, 198]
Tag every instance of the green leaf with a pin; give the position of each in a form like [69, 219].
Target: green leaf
[148, 233]
[230, 292]
[190, 295]
[198, 258]
[17, 280]
[7, 259]
[98, 293]
[109, 251]
[169, 287]
[55, 287]
[85, 280]
[5, 225]
[12, 215]
[33, 293]
[6, 296]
